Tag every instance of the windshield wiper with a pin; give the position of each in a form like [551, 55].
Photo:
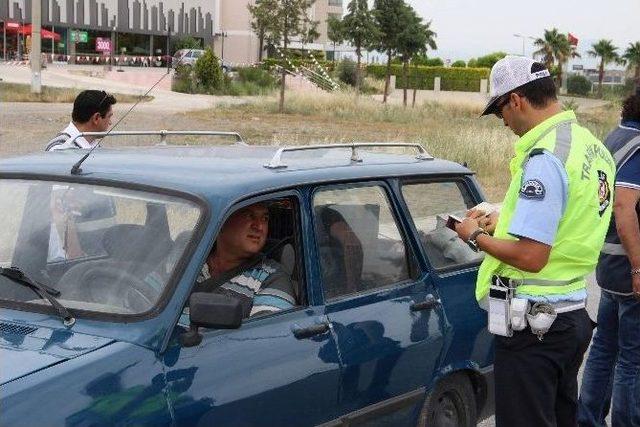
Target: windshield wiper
[44, 291]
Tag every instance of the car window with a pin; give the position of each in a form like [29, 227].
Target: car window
[430, 205]
[105, 249]
[265, 273]
[360, 245]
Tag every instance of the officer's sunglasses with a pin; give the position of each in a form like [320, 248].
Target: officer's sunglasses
[500, 104]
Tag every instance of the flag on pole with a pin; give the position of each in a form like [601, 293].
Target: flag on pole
[573, 40]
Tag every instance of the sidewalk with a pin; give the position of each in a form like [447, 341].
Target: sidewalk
[134, 81]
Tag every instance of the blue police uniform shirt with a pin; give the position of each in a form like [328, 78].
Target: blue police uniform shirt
[542, 200]
[540, 206]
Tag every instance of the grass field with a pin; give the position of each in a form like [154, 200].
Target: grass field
[15, 92]
[453, 132]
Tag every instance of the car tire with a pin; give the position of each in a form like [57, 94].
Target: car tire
[451, 403]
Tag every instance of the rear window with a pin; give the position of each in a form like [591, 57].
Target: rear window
[104, 249]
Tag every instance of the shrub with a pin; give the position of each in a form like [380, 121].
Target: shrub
[578, 85]
[183, 79]
[459, 64]
[208, 71]
[257, 76]
[346, 71]
[459, 79]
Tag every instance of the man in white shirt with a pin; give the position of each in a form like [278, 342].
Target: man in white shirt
[92, 112]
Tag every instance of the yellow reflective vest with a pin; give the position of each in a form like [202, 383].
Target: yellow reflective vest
[582, 228]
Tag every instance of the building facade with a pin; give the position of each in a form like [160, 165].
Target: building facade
[141, 27]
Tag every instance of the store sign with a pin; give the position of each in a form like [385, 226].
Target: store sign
[103, 44]
[13, 25]
[577, 67]
[79, 36]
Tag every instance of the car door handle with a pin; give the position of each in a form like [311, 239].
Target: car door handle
[429, 302]
[311, 331]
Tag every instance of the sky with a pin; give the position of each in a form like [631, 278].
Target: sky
[471, 28]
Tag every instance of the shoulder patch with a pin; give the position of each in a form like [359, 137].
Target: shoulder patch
[532, 189]
[604, 192]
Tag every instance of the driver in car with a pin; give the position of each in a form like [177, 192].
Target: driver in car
[237, 268]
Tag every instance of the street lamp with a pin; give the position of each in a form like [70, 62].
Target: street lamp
[523, 37]
[222, 34]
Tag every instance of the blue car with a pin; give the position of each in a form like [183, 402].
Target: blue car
[99, 265]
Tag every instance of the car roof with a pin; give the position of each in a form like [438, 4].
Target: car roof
[229, 171]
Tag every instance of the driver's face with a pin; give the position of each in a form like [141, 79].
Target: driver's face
[245, 232]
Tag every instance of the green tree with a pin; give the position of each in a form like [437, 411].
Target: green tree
[413, 40]
[290, 18]
[487, 61]
[261, 16]
[564, 52]
[607, 52]
[549, 45]
[390, 17]
[335, 33]
[632, 58]
[208, 71]
[459, 64]
[186, 42]
[359, 29]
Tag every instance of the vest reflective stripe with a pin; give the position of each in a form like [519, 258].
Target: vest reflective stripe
[613, 249]
[543, 282]
[563, 141]
[623, 154]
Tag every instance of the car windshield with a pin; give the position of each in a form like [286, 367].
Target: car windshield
[105, 249]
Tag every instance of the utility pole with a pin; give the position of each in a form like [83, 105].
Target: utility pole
[36, 47]
[168, 45]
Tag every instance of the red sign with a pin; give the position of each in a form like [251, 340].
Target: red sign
[103, 44]
[13, 25]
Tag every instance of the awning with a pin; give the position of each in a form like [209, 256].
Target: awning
[27, 30]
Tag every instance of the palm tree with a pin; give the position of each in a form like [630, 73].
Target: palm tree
[549, 46]
[564, 52]
[606, 51]
[632, 57]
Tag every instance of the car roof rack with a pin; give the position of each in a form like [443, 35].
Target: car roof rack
[162, 134]
[276, 161]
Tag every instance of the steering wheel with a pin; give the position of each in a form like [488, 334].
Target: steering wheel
[110, 283]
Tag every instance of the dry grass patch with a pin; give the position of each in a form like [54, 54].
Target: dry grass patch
[16, 92]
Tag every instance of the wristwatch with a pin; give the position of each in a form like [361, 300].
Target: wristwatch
[473, 242]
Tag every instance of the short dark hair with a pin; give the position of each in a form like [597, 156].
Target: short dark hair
[631, 107]
[89, 102]
[539, 92]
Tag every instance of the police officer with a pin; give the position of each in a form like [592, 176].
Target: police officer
[544, 243]
[92, 112]
[615, 352]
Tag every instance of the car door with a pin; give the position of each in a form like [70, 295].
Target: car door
[383, 310]
[276, 370]
[455, 265]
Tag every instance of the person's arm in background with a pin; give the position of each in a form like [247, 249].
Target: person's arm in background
[627, 196]
[624, 209]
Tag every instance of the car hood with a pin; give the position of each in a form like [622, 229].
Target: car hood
[25, 348]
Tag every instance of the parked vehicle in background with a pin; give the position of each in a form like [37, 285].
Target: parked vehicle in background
[189, 57]
[385, 328]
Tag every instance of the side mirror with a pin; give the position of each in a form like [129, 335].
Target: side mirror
[215, 311]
